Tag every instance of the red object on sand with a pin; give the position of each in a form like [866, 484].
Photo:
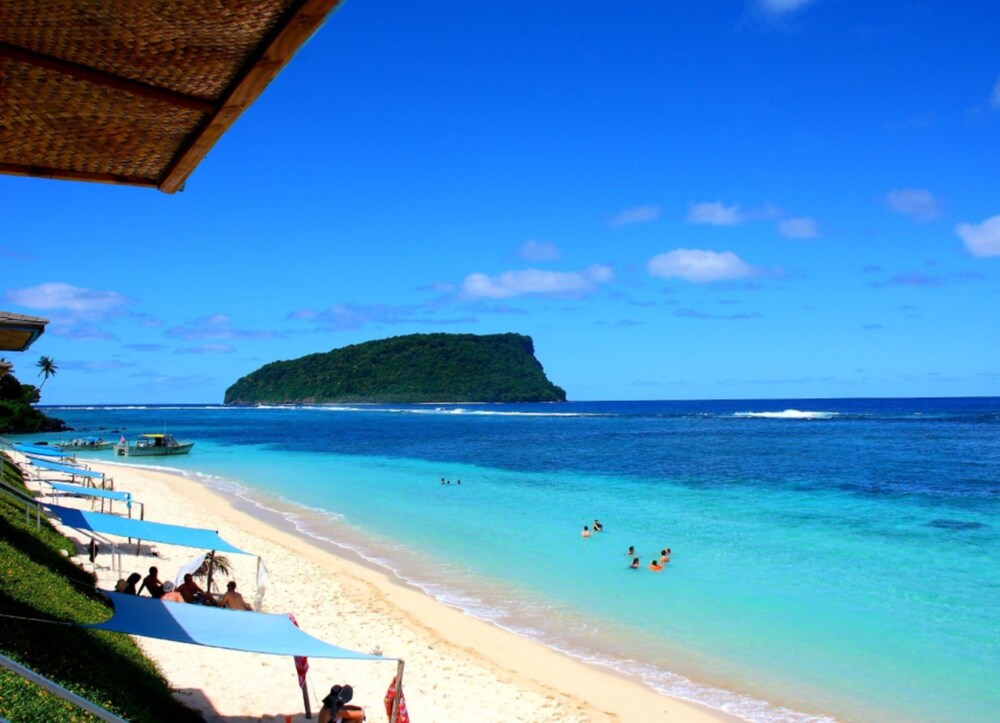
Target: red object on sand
[390, 695]
[301, 663]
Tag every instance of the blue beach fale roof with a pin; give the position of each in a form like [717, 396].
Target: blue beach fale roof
[218, 628]
[66, 469]
[39, 450]
[142, 529]
[91, 491]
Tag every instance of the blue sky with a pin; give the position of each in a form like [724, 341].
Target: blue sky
[744, 199]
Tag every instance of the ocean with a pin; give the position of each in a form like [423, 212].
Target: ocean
[831, 558]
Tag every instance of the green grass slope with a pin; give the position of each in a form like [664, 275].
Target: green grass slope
[37, 581]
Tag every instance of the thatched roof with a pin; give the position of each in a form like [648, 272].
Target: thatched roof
[136, 92]
[18, 332]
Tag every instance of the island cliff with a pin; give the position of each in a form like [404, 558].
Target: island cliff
[406, 369]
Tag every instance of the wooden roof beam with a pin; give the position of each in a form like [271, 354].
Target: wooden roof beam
[65, 174]
[301, 21]
[110, 80]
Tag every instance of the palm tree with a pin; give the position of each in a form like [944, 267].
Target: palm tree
[47, 367]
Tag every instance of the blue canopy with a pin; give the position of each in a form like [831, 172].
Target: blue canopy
[39, 450]
[91, 491]
[66, 469]
[217, 628]
[142, 529]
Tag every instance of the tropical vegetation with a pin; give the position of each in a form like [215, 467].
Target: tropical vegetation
[46, 367]
[17, 416]
[416, 368]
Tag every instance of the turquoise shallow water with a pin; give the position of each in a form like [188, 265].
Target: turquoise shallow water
[838, 561]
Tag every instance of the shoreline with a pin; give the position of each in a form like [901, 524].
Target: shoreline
[455, 663]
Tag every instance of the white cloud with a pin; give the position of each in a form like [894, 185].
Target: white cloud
[207, 349]
[639, 214]
[916, 203]
[995, 97]
[715, 213]
[981, 239]
[214, 320]
[700, 266]
[56, 295]
[801, 227]
[780, 7]
[537, 282]
[538, 251]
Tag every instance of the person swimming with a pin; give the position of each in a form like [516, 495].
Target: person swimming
[631, 551]
[586, 532]
[635, 563]
[598, 527]
[665, 555]
[655, 566]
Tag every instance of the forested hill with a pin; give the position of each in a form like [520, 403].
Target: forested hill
[415, 368]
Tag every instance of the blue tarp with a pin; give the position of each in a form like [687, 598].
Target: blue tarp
[91, 491]
[66, 469]
[142, 529]
[218, 628]
[39, 450]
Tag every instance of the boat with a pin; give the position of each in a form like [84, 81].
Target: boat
[83, 444]
[152, 445]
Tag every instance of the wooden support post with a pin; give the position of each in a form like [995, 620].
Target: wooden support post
[399, 692]
[211, 569]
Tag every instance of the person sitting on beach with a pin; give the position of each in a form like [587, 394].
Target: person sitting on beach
[335, 706]
[130, 584]
[655, 566]
[635, 563]
[191, 593]
[631, 551]
[586, 532]
[665, 555]
[598, 527]
[232, 599]
[173, 596]
[152, 584]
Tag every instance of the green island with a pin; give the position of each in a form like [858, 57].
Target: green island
[416, 368]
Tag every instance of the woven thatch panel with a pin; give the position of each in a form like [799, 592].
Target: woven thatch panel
[136, 91]
[49, 120]
[195, 47]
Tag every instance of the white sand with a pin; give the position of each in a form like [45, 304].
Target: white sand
[458, 668]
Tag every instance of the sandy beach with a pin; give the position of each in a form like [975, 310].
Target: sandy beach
[458, 668]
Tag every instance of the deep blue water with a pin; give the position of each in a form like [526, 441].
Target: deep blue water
[831, 557]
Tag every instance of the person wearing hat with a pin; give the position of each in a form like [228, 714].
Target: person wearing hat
[335, 706]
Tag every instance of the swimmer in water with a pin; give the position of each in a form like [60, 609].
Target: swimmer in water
[631, 551]
[586, 532]
[635, 563]
[665, 555]
[598, 527]
[655, 566]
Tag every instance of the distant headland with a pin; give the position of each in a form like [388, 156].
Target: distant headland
[416, 368]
